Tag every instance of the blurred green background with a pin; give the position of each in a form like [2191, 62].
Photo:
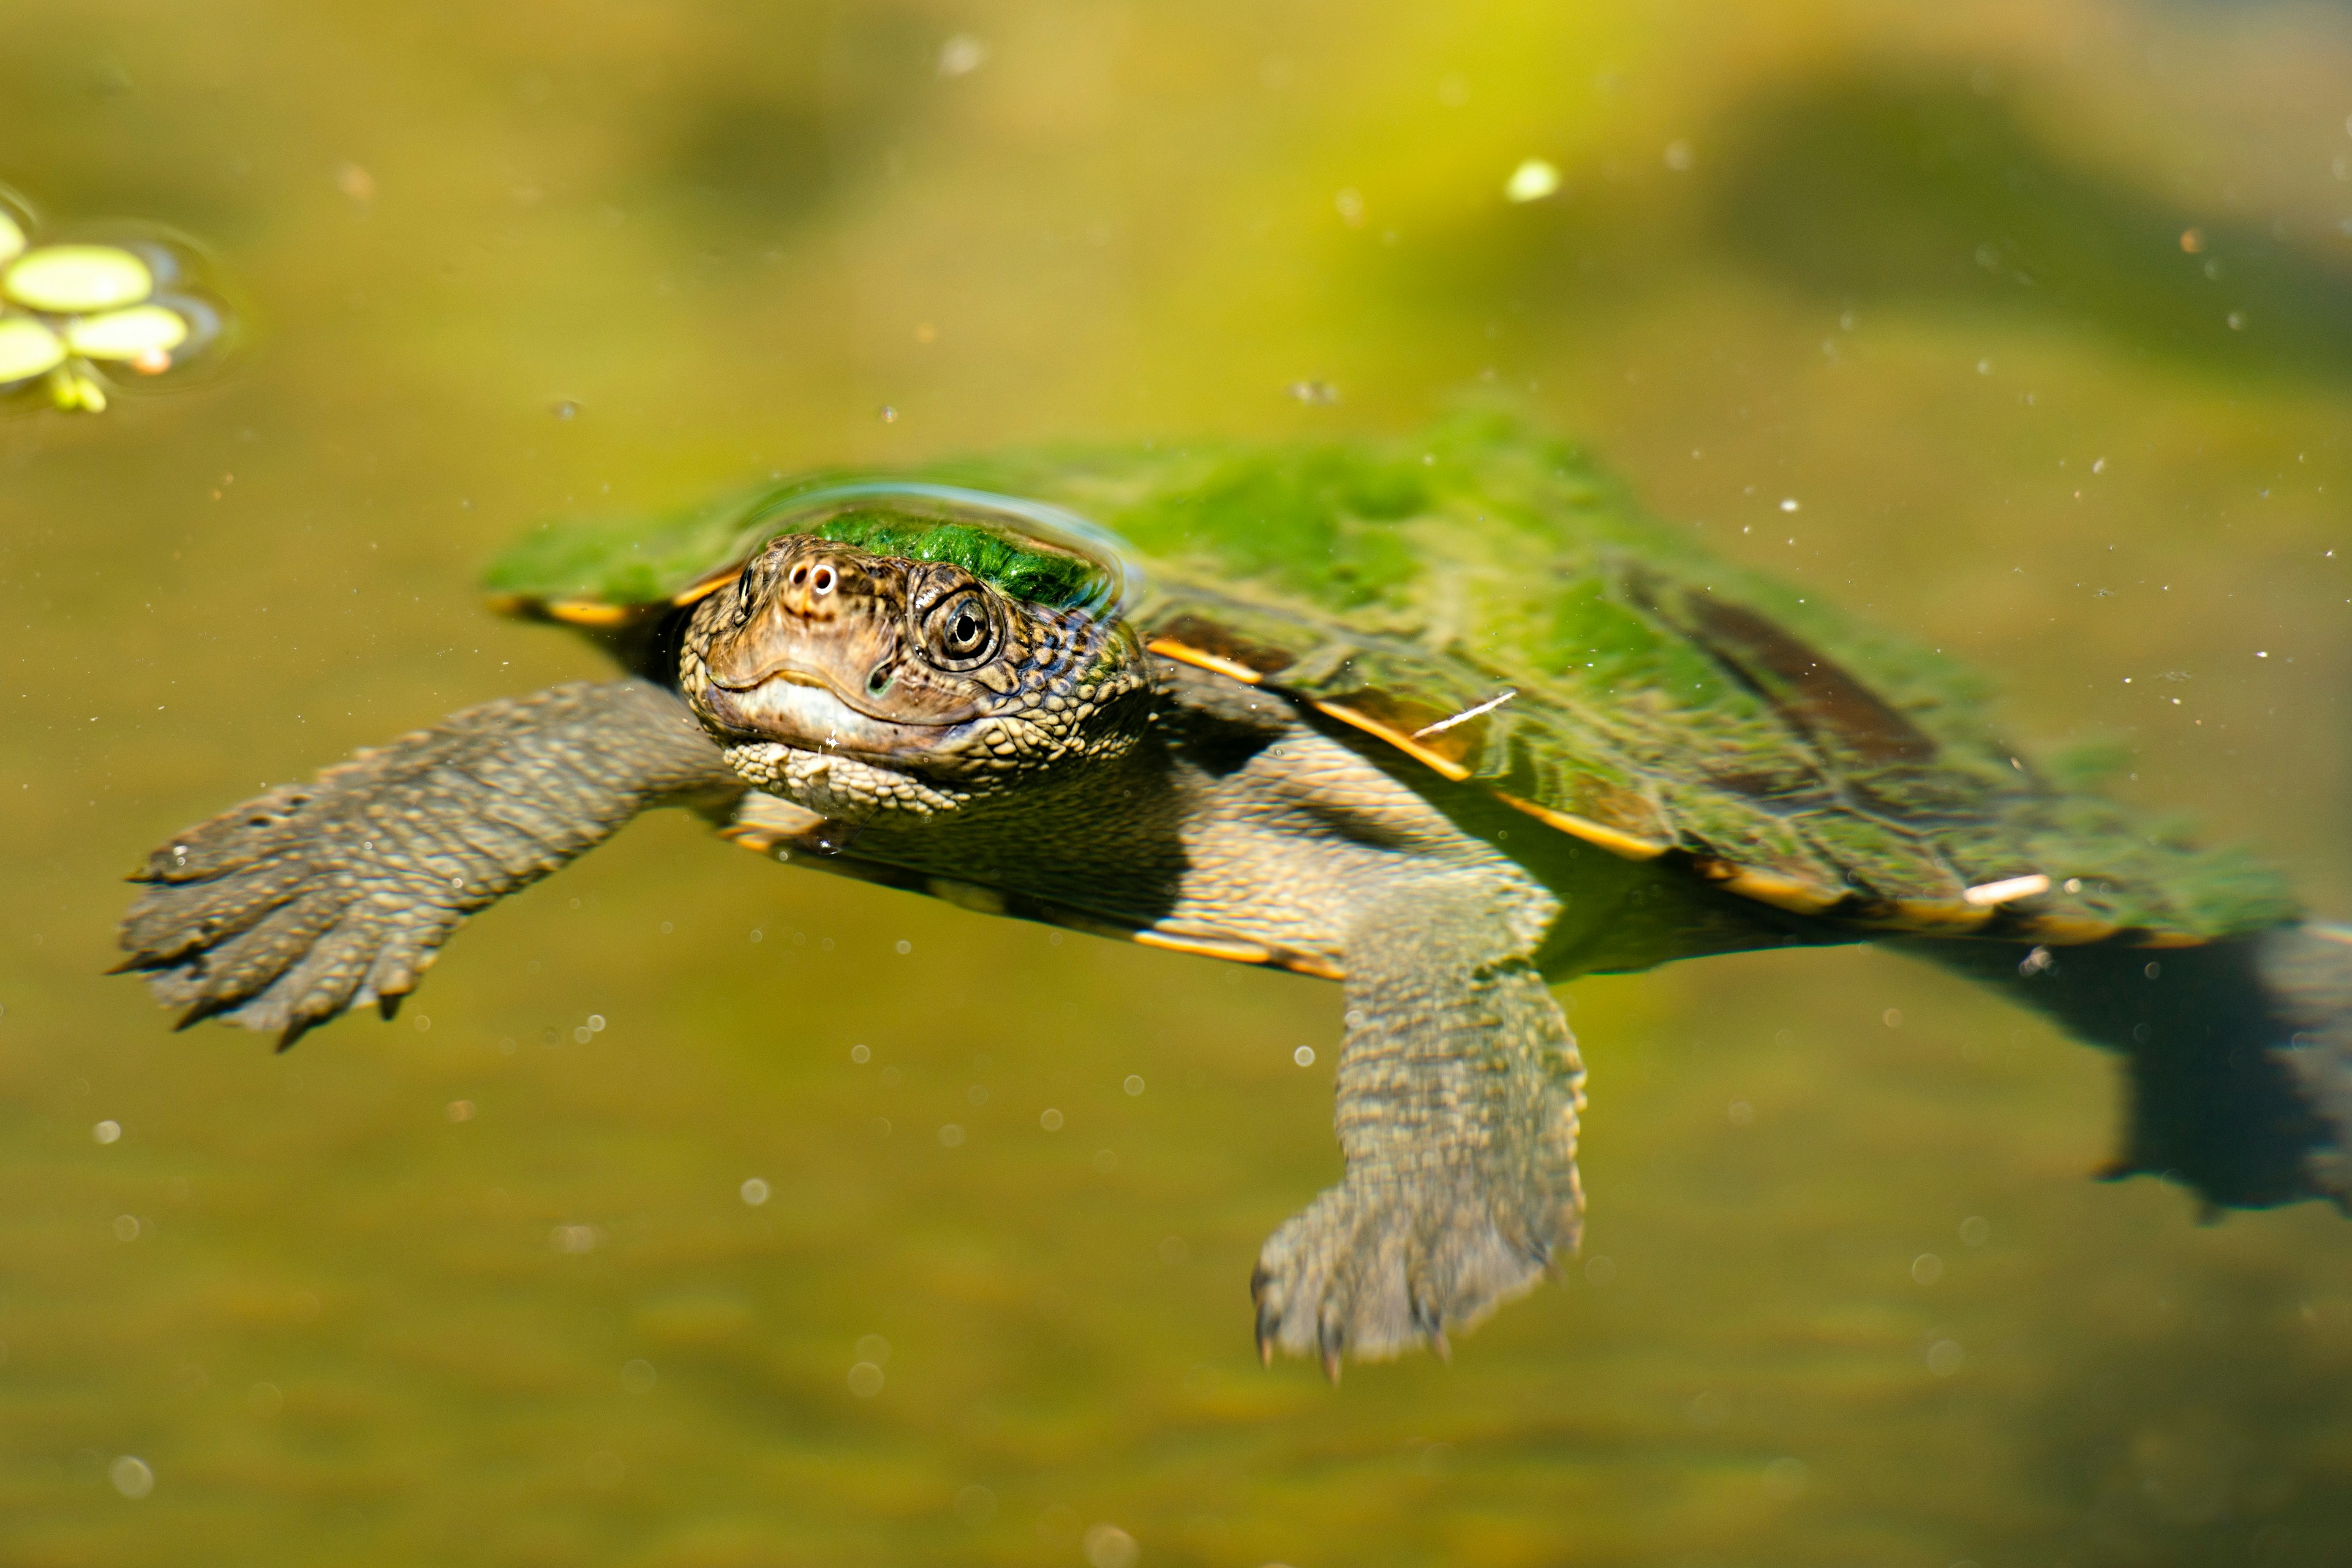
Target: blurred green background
[1930, 272]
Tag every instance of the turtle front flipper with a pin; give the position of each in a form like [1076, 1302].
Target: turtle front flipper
[280, 914]
[1459, 1087]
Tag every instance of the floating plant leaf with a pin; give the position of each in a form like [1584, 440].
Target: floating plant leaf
[73, 280]
[143, 334]
[26, 348]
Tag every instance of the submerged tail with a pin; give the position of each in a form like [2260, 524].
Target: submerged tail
[2236, 1055]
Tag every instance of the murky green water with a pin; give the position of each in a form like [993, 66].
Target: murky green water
[1928, 279]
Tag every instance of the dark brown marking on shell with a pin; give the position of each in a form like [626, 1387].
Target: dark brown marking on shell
[1221, 643]
[1816, 695]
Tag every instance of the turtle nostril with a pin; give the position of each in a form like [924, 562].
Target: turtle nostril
[821, 580]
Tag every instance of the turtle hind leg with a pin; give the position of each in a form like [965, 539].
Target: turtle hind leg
[281, 914]
[2237, 1056]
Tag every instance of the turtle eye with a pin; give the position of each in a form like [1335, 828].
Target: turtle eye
[962, 632]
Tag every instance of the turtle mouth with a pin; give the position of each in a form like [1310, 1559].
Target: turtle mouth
[808, 711]
[787, 673]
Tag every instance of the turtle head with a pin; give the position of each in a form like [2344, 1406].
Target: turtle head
[856, 680]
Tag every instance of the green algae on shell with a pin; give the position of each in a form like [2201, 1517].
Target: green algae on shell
[76, 279]
[599, 572]
[27, 348]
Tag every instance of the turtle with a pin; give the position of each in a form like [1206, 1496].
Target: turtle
[1445, 718]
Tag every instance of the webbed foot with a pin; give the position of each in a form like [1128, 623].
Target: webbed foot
[1388, 1258]
[317, 897]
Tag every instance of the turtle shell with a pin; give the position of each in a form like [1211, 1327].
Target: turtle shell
[1483, 601]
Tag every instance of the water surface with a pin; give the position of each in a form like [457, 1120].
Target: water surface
[1934, 282]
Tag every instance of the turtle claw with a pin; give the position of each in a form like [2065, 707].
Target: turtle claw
[387, 1006]
[1258, 1280]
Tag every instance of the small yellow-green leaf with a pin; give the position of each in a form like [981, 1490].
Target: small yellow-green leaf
[11, 238]
[26, 348]
[143, 334]
[72, 390]
[73, 280]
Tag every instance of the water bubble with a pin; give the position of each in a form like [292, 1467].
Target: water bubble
[1350, 204]
[1108, 1546]
[865, 1380]
[1304, 1055]
[1134, 1085]
[1051, 1120]
[666, 928]
[583, 1035]
[757, 935]
[459, 1110]
[1927, 1269]
[596, 1021]
[1314, 392]
[1892, 1018]
[962, 55]
[1172, 1250]
[755, 1191]
[952, 1136]
[860, 1055]
[905, 946]
[1106, 1161]
[1532, 181]
[131, 1477]
[1976, 1231]
[977, 1094]
[637, 1376]
[604, 1469]
[107, 1132]
[2237, 319]
[975, 1505]
[1984, 367]
[1786, 1477]
[888, 414]
[574, 1238]
[423, 1022]
[873, 1348]
[1741, 1112]
[1678, 156]
[126, 1227]
[1788, 503]
[1600, 1270]
[1944, 1357]
[564, 409]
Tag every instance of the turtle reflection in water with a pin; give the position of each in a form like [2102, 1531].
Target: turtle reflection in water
[1445, 721]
